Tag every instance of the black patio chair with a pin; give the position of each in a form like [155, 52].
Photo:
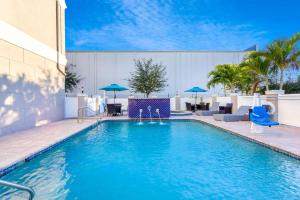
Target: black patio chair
[114, 109]
[226, 109]
[189, 107]
[207, 106]
[110, 109]
[118, 109]
[201, 106]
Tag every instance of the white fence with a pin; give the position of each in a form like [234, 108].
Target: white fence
[288, 108]
[72, 104]
[248, 100]
[223, 100]
[71, 107]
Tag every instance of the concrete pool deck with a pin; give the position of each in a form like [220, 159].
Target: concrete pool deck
[282, 138]
[17, 147]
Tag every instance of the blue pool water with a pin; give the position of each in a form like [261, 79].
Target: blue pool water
[178, 160]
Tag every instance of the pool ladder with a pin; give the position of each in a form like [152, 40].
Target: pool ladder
[18, 187]
[81, 115]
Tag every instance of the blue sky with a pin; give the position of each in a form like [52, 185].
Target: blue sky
[178, 24]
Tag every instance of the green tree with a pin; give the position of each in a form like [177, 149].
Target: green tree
[259, 68]
[226, 75]
[283, 54]
[290, 86]
[71, 78]
[246, 80]
[148, 77]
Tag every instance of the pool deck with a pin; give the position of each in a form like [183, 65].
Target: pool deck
[282, 138]
[18, 147]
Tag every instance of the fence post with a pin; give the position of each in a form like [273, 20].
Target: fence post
[213, 99]
[177, 103]
[97, 104]
[234, 101]
[273, 98]
[81, 104]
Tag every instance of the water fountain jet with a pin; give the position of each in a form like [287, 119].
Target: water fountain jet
[140, 122]
[151, 120]
[160, 122]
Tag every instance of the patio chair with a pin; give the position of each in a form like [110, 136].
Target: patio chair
[239, 115]
[213, 110]
[227, 109]
[207, 106]
[110, 109]
[113, 109]
[201, 106]
[189, 106]
[118, 109]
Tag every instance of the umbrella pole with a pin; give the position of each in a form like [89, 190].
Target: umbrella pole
[115, 103]
[196, 102]
[114, 97]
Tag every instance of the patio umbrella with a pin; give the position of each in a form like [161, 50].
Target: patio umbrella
[196, 90]
[114, 88]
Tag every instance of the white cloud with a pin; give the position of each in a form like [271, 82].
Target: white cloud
[153, 25]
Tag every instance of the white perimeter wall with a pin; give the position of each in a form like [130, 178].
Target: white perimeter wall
[288, 105]
[184, 69]
[289, 109]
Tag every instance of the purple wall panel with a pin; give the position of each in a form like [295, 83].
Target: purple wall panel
[163, 104]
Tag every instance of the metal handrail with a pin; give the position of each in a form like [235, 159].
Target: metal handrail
[82, 116]
[19, 187]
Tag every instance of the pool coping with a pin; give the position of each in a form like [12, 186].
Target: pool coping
[4, 171]
[269, 146]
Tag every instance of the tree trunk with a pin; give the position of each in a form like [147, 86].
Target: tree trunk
[267, 83]
[231, 89]
[224, 90]
[281, 79]
[254, 87]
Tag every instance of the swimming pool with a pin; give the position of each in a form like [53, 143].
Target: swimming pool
[177, 160]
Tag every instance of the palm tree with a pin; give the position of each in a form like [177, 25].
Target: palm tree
[247, 80]
[225, 75]
[259, 68]
[283, 54]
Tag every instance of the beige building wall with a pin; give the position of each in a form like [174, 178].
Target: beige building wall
[37, 18]
[31, 78]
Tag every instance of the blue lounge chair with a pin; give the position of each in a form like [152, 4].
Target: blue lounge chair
[260, 116]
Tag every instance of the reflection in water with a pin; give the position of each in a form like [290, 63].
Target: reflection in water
[46, 175]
